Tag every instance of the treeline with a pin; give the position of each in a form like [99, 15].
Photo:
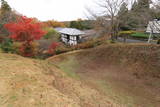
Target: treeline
[6, 15]
[137, 18]
[120, 15]
[78, 24]
[82, 24]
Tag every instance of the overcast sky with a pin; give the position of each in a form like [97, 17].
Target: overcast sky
[61, 10]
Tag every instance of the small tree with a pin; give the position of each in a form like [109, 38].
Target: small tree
[5, 7]
[52, 48]
[25, 31]
[123, 17]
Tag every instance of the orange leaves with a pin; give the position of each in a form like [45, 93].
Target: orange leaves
[52, 48]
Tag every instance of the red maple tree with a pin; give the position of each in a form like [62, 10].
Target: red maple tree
[25, 30]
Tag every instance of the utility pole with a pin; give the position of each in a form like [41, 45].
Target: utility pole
[150, 36]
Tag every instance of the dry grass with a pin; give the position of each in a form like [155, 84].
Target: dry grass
[24, 84]
[127, 73]
[35, 83]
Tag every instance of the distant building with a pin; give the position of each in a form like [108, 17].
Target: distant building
[70, 36]
[153, 27]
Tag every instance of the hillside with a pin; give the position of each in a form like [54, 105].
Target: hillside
[105, 76]
[34, 83]
[128, 74]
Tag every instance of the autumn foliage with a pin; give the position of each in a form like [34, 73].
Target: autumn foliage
[52, 48]
[54, 24]
[25, 30]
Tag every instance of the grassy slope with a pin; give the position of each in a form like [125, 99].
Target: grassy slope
[34, 83]
[128, 74]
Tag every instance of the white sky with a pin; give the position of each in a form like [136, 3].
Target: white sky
[61, 10]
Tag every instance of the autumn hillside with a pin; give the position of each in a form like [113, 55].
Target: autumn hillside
[128, 73]
[115, 75]
[27, 82]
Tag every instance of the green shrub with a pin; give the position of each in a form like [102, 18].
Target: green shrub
[133, 34]
[7, 46]
[126, 33]
[51, 34]
[140, 35]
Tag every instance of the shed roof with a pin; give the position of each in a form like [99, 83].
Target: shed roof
[70, 31]
[58, 29]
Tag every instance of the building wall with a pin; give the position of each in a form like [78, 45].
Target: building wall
[64, 38]
[154, 27]
[72, 40]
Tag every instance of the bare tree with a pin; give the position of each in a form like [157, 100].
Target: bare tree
[108, 15]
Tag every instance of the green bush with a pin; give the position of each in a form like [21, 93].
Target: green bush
[51, 34]
[7, 46]
[133, 34]
[126, 33]
[140, 35]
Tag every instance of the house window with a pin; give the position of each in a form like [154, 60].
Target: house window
[77, 38]
[67, 37]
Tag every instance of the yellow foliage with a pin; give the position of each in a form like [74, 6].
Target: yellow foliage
[126, 33]
[53, 23]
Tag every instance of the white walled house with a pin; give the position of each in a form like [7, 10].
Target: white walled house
[70, 36]
[153, 27]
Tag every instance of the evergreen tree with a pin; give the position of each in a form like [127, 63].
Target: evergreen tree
[6, 16]
[123, 17]
[5, 7]
[139, 14]
[77, 24]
